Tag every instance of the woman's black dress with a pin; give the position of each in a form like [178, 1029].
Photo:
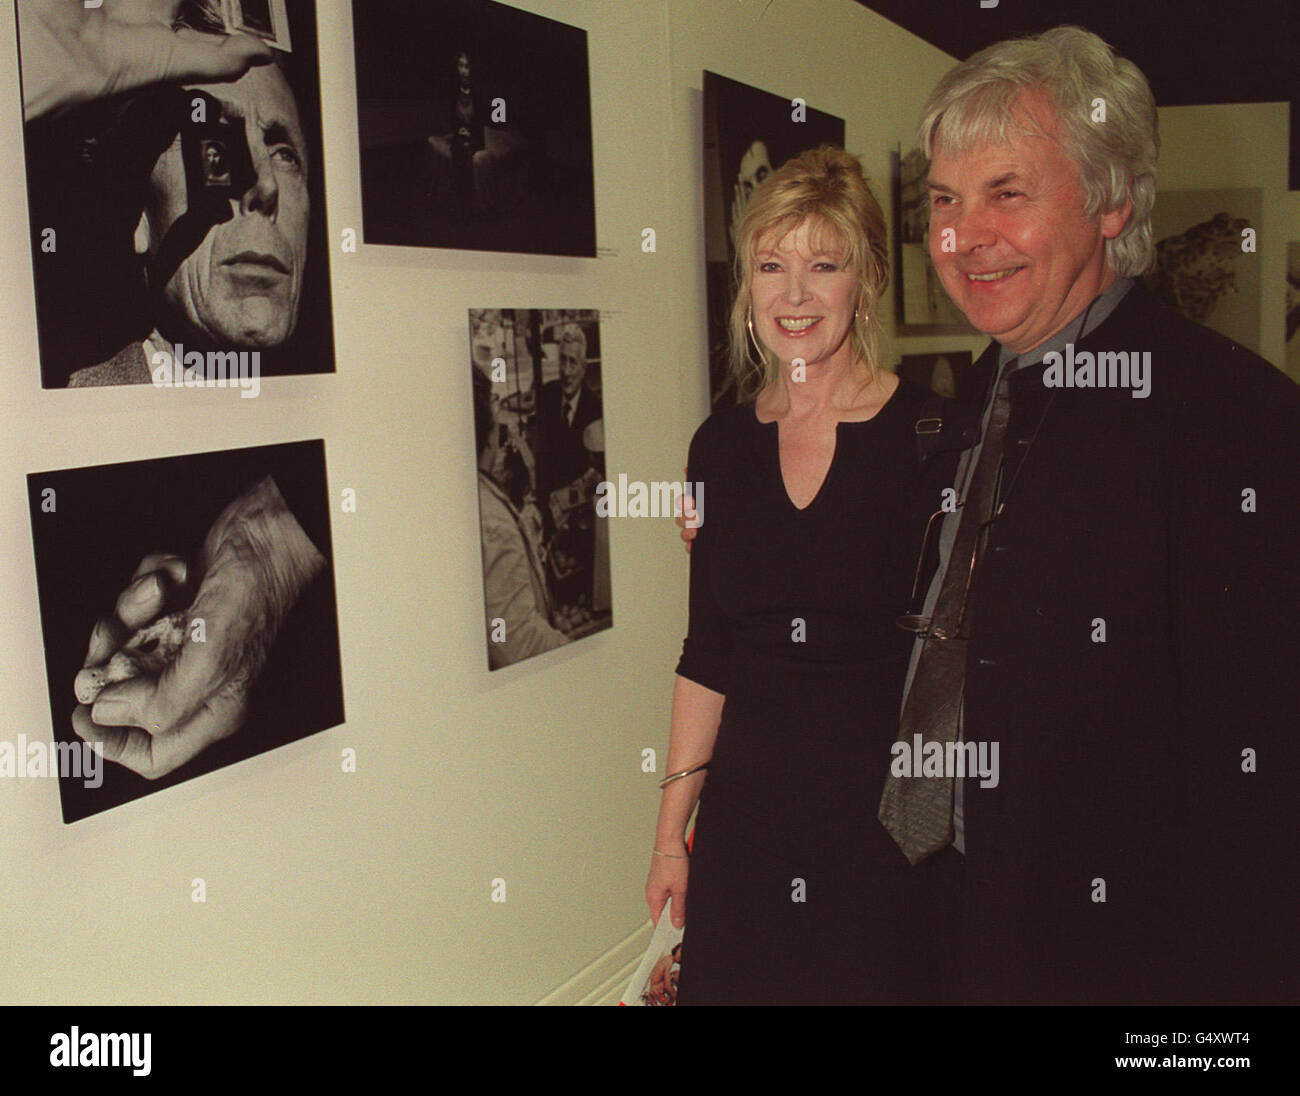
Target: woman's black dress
[797, 893]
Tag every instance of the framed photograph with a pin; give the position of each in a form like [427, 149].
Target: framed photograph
[923, 305]
[539, 435]
[475, 128]
[1201, 269]
[175, 226]
[170, 647]
[265, 19]
[747, 134]
[950, 373]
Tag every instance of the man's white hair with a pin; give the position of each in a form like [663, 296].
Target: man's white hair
[975, 105]
[571, 334]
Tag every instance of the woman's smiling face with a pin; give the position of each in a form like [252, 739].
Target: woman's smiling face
[804, 294]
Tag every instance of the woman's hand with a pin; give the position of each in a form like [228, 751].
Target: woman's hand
[667, 879]
[685, 513]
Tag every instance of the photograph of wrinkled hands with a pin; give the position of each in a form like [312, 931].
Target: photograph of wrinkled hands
[188, 611]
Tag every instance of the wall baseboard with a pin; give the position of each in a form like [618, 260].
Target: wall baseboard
[603, 980]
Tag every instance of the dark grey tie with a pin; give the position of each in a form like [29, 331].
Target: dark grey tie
[916, 809]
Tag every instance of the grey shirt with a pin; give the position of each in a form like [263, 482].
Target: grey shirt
[1087, 321]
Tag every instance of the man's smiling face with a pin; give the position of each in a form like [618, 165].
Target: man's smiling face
[1022, 260]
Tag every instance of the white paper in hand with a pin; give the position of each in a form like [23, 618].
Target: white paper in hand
[655, 980]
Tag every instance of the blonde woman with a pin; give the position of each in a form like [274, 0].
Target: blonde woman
[789, 683]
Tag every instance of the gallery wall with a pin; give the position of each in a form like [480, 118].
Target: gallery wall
[1237, 147]
[378, 886]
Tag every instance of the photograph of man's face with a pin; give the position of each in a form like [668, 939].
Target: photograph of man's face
[573, 362]
[189, 211]
[241, 286]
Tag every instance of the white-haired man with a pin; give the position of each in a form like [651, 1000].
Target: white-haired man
[1122, 633]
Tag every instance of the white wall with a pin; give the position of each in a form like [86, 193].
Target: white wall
[1240, 145]
[374, 886]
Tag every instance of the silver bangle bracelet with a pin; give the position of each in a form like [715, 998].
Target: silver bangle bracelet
[683, 774]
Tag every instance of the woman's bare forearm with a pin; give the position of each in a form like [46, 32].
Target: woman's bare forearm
[695, 716]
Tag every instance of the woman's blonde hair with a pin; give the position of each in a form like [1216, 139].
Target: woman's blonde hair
[826, 185]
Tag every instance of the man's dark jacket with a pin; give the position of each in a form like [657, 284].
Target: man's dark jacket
[563, 457]
[1171, 523]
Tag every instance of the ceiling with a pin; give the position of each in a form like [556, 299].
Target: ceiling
[1192, 51]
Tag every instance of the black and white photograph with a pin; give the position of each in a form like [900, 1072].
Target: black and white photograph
[539, 434]
[1202, 268]
[475, 128]
[748, 133]
[177, 226]
[923, 305]
[188, 612]
[950, 374]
